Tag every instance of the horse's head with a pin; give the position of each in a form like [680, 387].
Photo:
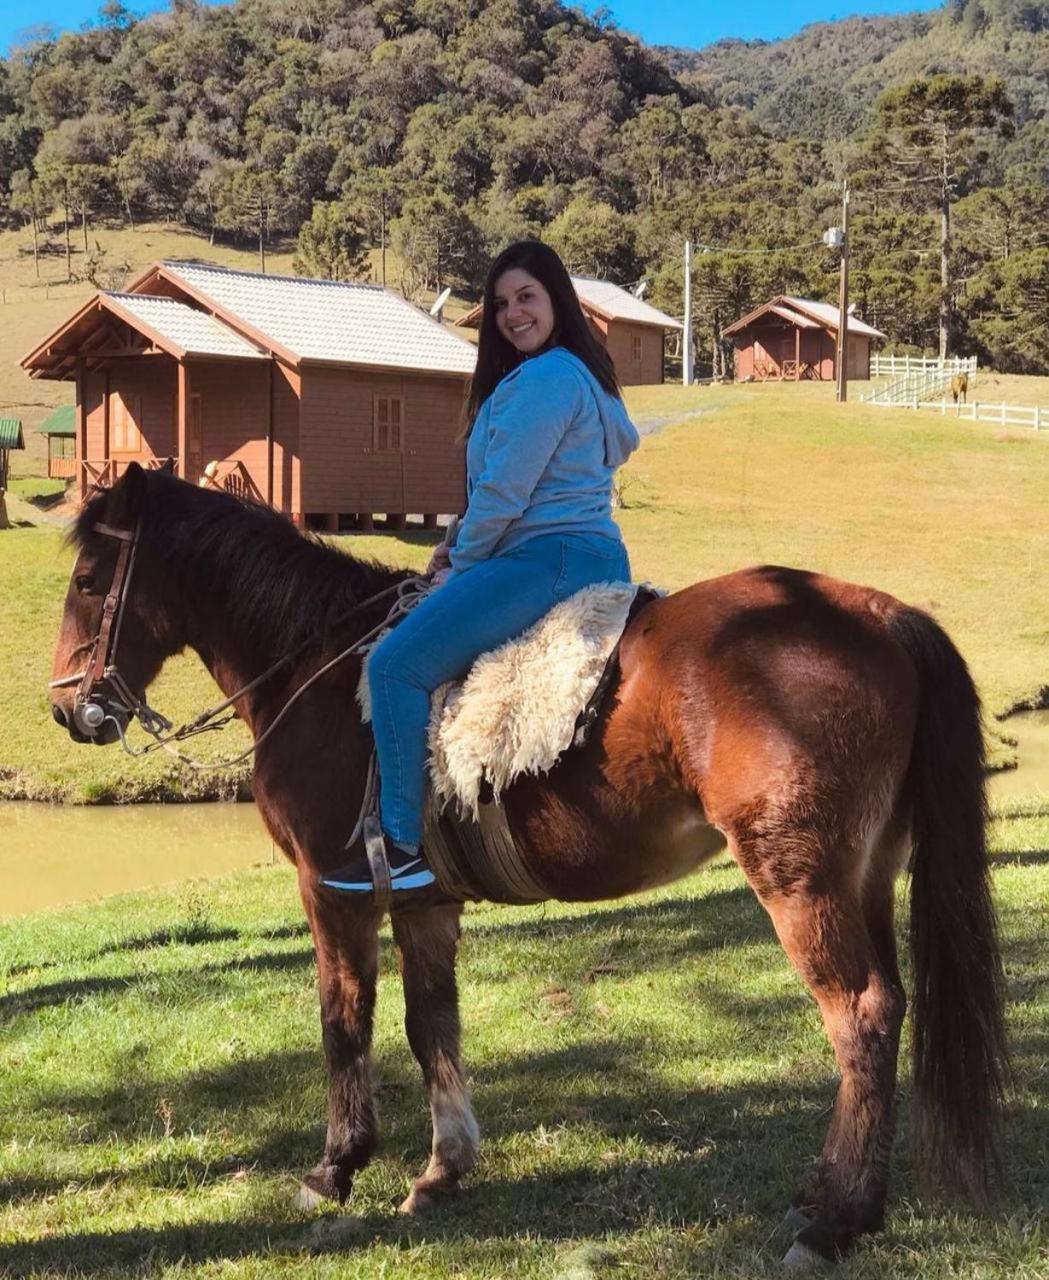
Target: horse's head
[112, 642]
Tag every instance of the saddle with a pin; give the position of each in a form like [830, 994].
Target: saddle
[518, 710]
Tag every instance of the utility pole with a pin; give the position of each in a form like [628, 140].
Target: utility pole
[843, 299]
[686, 337]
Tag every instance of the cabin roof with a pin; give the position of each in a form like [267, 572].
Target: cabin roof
[602, 298]
[11, 433]
[185, 329]
[60, 423]
[324, 320]
[803, 312]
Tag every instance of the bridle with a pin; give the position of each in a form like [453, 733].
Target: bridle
[104, 695]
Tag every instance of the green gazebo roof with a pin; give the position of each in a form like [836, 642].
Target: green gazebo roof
[61, 423]
[11, 433]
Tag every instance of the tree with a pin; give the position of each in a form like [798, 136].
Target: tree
[594, 240]
[29, 197]
[330, 244]
[929, 133]
[438, 243]
[253, 204]
[373, 197]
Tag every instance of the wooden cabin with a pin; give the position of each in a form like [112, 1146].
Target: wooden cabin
[790, 339]
[633, 332]
[60, 429]
[11, 437]
[332, 402]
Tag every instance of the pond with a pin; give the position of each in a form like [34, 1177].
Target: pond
[1031, 778]
[55, 854]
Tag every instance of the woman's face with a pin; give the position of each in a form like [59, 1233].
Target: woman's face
[524, 313]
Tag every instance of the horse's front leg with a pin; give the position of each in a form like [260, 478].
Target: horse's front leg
[427, 940]
[345, 938]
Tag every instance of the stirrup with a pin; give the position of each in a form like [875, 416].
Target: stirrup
[370, 871]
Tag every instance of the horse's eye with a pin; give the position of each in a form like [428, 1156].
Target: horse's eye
[84, 582]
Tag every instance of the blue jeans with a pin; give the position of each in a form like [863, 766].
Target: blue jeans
[473, 612]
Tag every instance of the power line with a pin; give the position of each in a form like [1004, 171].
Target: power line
[724, 248]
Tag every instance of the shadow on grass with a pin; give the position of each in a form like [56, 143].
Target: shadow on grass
[644, 937]
[1028, 858]
[77, 989]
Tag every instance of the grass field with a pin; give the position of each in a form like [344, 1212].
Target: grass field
[942, 513]
[650, 1078]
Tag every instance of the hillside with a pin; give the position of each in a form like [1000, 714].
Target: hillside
[433, 133]
[821, 82]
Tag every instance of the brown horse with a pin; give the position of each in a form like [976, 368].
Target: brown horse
[825, 732]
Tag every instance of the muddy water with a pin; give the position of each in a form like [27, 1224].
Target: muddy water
[1031, 778]
[50, 855]
[55, 854]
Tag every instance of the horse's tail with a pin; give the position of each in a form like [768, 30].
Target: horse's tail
[960, 1058]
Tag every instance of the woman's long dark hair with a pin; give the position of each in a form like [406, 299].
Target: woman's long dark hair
[496, 357]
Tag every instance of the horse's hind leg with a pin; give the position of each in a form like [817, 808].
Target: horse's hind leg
[345, 938]
[840, 940]
[427, 941]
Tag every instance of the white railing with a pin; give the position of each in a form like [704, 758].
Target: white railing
[919, 384]
[1005, 415]
[893, 366]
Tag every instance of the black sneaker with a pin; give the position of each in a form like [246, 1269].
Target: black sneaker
[407, 871]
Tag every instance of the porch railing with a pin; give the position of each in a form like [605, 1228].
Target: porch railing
[103, 473]
[235, 478]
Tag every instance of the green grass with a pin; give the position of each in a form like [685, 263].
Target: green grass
[939, 512]
[650, 1079]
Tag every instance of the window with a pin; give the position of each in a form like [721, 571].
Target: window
[388, 424]
[125, 417]
[635, 346]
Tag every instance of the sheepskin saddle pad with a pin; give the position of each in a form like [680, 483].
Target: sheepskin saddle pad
[520, 705]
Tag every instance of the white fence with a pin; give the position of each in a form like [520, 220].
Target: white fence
[894, 366]
[1005, 415]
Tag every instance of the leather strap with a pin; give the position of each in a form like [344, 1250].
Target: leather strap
[375, 848]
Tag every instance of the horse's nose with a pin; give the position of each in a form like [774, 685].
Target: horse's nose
[58, 714]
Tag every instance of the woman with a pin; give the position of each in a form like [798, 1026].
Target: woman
[547, 430]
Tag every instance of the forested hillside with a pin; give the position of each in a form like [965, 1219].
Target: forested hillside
[444, 128]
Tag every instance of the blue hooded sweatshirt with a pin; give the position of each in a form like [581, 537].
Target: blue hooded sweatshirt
[540, 459]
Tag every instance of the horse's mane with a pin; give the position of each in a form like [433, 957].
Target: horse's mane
[287, 586]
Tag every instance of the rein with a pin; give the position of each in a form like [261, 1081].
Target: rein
[93, 708]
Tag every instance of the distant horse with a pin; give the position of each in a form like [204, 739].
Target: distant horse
[960, 388]
[825, 732]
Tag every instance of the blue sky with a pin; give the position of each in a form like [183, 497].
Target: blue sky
[691, 23]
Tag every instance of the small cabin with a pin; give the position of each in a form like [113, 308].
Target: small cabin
[791, 339]
[332, 402]
[11, 437]
[60, 429]
[634, 332]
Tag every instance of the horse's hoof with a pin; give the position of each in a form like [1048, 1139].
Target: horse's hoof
[425, 1196]
[307, 1199]
[795, 1220]
[799, 1257]
[325, 1182]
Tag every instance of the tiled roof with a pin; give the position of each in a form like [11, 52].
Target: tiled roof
[613, 301]
[828, 313]
[11, 433]
[60, 423]
[194, 332]
[357, 324]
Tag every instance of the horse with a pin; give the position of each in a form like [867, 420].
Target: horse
[960, 388]
[825, 733]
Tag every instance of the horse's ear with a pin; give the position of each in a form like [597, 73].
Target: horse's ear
[168, 465]
[126, 497]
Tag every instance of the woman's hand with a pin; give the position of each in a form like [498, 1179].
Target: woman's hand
[441, 561]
